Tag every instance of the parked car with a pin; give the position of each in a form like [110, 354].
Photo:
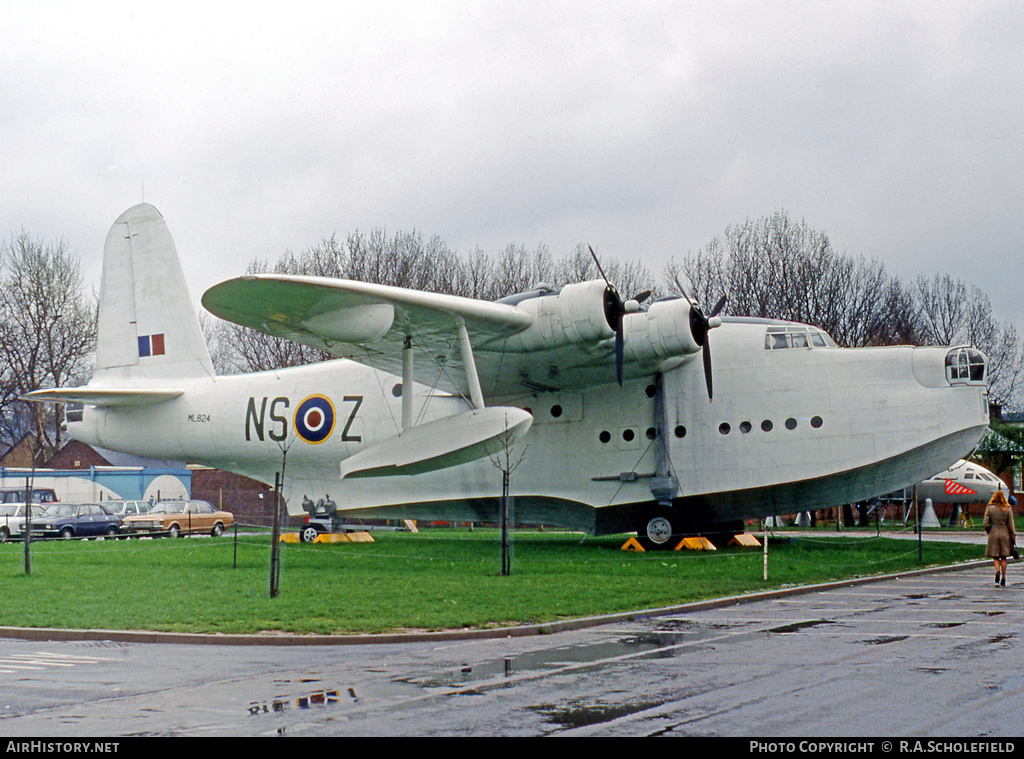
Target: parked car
[17, 495]
[126, 508]
[176, 518]
[12, 521]
[75, 520]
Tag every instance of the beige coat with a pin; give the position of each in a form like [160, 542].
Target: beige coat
[1001, 532]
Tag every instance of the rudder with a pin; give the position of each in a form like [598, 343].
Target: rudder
[147, 326]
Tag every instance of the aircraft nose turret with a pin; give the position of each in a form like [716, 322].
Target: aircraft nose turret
[950, 367]
[966, 366]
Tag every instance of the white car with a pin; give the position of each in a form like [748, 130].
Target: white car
[12, 521]
[126, 508]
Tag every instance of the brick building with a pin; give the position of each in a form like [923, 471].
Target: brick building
[77, 455]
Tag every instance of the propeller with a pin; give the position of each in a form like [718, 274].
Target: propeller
[699, 327]
[614, 310]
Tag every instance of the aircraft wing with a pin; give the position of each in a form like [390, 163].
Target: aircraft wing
[99, 396]
[560, 341]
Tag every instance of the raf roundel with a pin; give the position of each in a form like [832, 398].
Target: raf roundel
[314, 419]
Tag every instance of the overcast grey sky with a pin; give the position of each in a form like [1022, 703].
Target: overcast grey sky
[643, 128]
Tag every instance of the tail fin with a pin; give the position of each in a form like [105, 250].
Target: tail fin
[147, 325]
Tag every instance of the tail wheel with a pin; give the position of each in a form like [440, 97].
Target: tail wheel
[658, 528]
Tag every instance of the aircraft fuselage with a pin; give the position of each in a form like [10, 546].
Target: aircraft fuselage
[832, 426]
[796, 423]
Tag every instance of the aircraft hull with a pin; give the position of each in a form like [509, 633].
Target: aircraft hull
[700, 513]
[590, 457]
[796, 423]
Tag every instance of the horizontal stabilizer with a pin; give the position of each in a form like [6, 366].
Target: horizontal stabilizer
[440, 444]
[98, 396]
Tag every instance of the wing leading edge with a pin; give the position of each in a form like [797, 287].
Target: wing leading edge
[112, 397]
[556, 340]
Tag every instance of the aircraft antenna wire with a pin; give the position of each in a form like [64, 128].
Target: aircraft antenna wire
[380, 385]
[636, 466]
[443, 370]
[437, 378]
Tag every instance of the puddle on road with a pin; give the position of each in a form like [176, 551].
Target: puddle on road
[573, 716]
[475, 678]
[799, 626]
[653, 643]
[885, 639]
[661, 643]
[304, 701]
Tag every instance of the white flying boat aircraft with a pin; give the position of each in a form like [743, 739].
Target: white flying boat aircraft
[604, 402]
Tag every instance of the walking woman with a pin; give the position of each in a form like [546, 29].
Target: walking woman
[1001, 533]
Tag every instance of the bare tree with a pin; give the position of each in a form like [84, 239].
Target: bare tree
[777, 269]
[942, 308]
[47, 331]
[476, 276]
[771, 267]
[951, 313]
[235, 349]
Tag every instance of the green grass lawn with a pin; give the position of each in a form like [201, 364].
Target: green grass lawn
[437, 579]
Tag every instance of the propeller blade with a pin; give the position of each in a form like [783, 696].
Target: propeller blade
[619, 353]
[718, 306]
[707, 368]
[682, 290]
[614, 310]
[598, 263]
[700, 325]
[641, 297]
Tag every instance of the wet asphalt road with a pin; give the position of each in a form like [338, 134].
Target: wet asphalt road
[937, 654]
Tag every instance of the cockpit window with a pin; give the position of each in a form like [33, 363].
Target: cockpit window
[965, 365]
[796, 336]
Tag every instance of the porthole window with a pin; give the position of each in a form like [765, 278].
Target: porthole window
[605, 436]
[745, 427]
[651, 433]
[397, 390]
[724, 428]
[556, 411]
[817, 421]
[767, 425]
[680, 431]
[791, 423]
[628, 435]
[651, 390]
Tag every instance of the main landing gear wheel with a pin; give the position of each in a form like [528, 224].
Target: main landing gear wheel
[659, 530]
[308, 534]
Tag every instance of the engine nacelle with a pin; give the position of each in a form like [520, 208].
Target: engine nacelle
[576, 315]
[662, 331]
